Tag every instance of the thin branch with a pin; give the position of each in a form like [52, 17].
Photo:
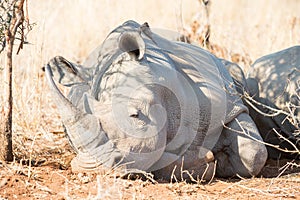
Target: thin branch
[243, 132]
[275, 146]
[267, 192]
[276, 111]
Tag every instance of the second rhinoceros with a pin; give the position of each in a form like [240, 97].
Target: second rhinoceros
[278, 76]
[274, 83]
[271, 93]
[143, 102]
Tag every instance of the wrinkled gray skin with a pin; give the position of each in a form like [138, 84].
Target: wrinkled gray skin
[272, 81]
[278, 77]
[145, 103]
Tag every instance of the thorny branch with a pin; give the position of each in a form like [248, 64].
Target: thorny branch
[275, 111]
[7, 9]
[244, 132]
[11, 25]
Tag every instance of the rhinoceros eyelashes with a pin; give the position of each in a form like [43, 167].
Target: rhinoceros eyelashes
[135, 115]
[132, 43]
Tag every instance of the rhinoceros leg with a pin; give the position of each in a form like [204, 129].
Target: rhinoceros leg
[237, 153]
[188, 167]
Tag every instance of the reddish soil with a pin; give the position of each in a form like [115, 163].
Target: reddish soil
[48, 176]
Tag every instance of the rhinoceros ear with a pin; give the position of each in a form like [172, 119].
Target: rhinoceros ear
[65, 72]
[132, 43]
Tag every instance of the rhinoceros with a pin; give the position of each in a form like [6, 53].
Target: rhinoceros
[274, 81]
[278, 75]
[142, 102]
[271, 93]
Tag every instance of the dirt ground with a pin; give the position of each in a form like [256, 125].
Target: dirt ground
[49, 182]
[44, 172]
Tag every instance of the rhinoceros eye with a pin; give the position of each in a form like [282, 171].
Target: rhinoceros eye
[139, 119]
[135, 115]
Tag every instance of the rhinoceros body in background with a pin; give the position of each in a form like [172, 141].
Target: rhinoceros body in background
[273, 82]
[278, 86]
[278, 75]
[146, 103]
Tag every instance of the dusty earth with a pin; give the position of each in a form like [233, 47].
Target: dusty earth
[42, 171]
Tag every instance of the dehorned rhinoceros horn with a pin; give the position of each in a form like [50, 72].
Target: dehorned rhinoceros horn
[87, 138]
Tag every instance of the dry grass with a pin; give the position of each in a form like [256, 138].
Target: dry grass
[74, 28]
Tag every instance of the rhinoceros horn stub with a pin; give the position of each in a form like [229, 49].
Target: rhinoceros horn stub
[132, 43]
[67, 73]
[83, 129]
[67, 107]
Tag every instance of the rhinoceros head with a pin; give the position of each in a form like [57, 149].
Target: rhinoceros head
[116, 111]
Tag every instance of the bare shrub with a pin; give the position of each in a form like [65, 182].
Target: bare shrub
[11, 28]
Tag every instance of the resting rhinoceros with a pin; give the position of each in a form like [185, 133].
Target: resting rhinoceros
[272, 83]
[278, 75]
[143, 102]
[275, 82]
